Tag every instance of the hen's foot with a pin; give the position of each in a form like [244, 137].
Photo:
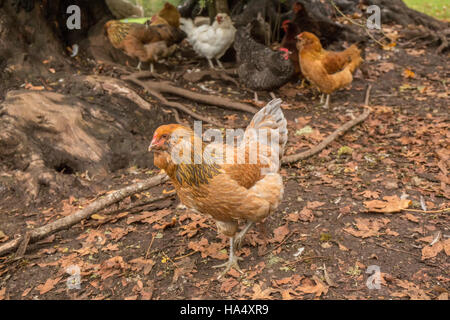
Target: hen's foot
[219, 64]
[239, 238]
[232, 262]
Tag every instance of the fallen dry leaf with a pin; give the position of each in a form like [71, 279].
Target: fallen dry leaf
[391, 204]
[48, 285]
[446, 244]
[228, 284]
[432, 251]
[411, 217]
[259, 294]
[316, 286]
[279, 233]
[367, 227]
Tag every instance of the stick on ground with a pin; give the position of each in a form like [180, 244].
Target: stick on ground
[338, 132]
[66, 222]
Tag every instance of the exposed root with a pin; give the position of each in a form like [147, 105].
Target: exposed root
[171, 104]
[167, 87]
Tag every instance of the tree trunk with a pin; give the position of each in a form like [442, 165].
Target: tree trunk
[222, 6]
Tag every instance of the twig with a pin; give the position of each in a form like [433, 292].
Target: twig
[398, 250]
[167, 87]
[186, 255]
[280, 244]
[338, 132]
[429, 211]
[150, 246]
[66, 222]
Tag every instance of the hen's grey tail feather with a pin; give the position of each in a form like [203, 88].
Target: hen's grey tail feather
[271, 117]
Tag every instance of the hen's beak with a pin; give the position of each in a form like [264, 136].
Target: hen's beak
[153, 145]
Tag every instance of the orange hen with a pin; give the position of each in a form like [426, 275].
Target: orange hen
[327, 70]
[230, 187]
[147, 43]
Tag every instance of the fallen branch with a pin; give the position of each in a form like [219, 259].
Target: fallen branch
[175, 105]
[338, 132]
[66, 222]
[167, 87]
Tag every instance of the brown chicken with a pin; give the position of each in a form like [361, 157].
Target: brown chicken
[289, 42]
[326, 70]
[170, 14]
[229, 190]
[136, 40]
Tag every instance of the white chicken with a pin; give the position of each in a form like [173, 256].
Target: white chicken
[210, 41]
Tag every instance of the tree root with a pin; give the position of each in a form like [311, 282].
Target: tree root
[66, 222]
[338, 132]
[167, 87]
[174, 105]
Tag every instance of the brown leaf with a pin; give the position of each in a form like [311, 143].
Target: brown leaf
[259, 294]
[228, 284]
[446, 244]
[432, 251]
[48, 285]
[367, 227]
[411, 290]
[370, 194]
[26, 292]
[390, 205]
[141, 263]
[410, 217]
[2, 293]
[213, 250]
[316, 286]
[314, 204]
[306, 215]
[279, 233]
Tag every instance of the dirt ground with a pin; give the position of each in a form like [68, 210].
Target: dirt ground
[322, 243]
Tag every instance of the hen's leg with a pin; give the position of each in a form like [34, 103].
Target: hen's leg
[322, 98]
[256, 97]
[240, 236]
[327, 102]
[139, 66]
[152, 67]
[219, 64]
[232, 261]
[211, 64]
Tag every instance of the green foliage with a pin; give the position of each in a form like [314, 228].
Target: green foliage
[204, 3]
[434, 8]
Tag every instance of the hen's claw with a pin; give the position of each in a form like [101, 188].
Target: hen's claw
[232, 262]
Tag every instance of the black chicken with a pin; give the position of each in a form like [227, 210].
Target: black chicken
[260, 68]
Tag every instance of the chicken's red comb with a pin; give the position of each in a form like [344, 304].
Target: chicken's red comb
[284, 49]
